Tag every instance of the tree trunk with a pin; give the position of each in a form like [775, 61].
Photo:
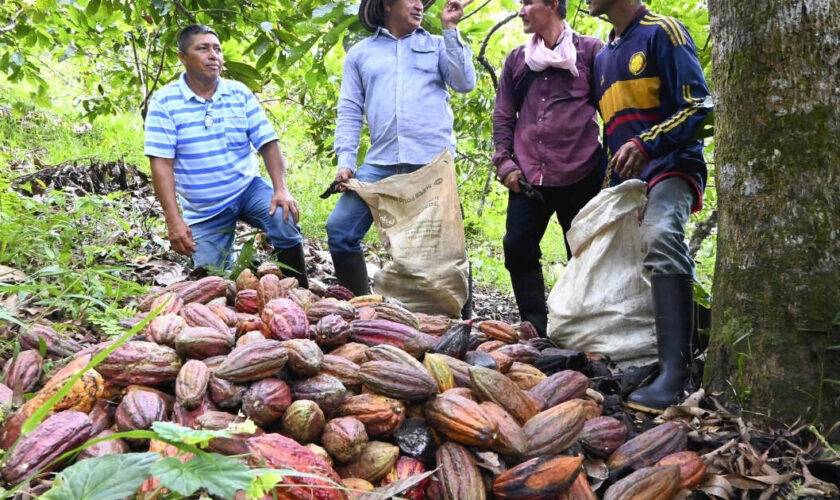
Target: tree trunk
[776, 69]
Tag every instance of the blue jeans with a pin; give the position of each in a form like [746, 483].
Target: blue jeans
[214, 236]
[351, 218]
[663, 227]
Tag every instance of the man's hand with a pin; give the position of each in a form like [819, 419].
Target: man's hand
[180, 236]
[452, 13]
[344, 174]
[629, 161]
[283, 199]
[511, 180]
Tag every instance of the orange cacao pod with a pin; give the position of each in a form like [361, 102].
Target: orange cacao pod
[692, 467]
[461, 420]
[539, 478]
[397, 380]
[490, 385]
[351, 351]
[499, 330]
[380, 415]
[511, 440]
[525, 376]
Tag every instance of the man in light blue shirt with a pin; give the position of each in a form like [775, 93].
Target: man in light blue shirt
[398, 80]
[201, 133]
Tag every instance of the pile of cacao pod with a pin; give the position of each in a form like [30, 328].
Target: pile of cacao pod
[357, 390]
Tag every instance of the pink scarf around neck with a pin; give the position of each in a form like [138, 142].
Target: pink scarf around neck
[539, 57]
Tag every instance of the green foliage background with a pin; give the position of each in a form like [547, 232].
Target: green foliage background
[65, 63]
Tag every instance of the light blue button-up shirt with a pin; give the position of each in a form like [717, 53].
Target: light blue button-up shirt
[399, 86]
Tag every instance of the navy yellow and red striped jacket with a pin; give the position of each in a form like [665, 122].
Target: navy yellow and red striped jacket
[651, 90]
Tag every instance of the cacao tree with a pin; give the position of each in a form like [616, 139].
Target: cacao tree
[775, 329]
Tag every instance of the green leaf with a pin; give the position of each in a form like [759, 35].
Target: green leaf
[17, 59]
[92, 8]
[323, 10]
[111, 477]
[174, 432]
[220, 475]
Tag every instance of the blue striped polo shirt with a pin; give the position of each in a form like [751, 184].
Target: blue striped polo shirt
[212, 141]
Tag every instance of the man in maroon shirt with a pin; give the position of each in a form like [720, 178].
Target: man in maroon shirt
[546, 133]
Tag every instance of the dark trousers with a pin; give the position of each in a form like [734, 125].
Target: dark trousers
[527, 219]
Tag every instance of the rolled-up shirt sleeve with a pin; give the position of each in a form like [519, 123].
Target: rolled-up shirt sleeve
[351, 105]
[456, 63]
[504, 123]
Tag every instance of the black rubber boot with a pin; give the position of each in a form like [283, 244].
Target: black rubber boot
[351, 271]
[673, 303]
[293, 258]
[467, 310]
[529, 290]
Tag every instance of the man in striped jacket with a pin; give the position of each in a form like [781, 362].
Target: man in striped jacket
[201, 133]
[653, 97]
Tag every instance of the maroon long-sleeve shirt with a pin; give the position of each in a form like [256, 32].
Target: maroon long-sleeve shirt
[554, 139]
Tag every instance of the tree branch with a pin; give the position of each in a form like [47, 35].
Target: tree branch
[184, 10]
[476, 10]
[482, 60]
[13, 24]
[702, 232]
[137, 62]
[151, 88]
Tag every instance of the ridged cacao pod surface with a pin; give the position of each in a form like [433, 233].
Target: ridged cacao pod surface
[648, 483]
[552, 431]
[196, 315]
[539, 478]
[331, 331]
[253, 361]
[164, 329]
[280, 452]
[103, 448]
[601, 436]
[376, 459]
[328, 392]
[24, 371]
[56, 435]
[458, 475]
[397, 380]
[330, 307]
[499, 330]
[199, 342]
[461, 420]
[511, 440]
[490, 385]
[380, 415]
[344, 438]
[562, 386]
[303, 421]
[266, 401]
[137, 362]
[372, 332]
[58, 345]
[455, 341]
[520, 353]
[352, 351]
[285, 319]
[305, 357]
[139, 409]
[649, 447]
[346, 371]
[692, 467]
[191, 384]
[403, 469]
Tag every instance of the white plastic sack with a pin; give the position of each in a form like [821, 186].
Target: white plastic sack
[602, 303]
[419, 220]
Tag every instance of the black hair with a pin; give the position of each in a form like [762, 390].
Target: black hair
[561, 7]
[193, 29]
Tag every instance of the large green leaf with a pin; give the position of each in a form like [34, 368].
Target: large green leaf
[111, 477]
[220, 475]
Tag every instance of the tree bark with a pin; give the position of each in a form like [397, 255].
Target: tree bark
[776, 67]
